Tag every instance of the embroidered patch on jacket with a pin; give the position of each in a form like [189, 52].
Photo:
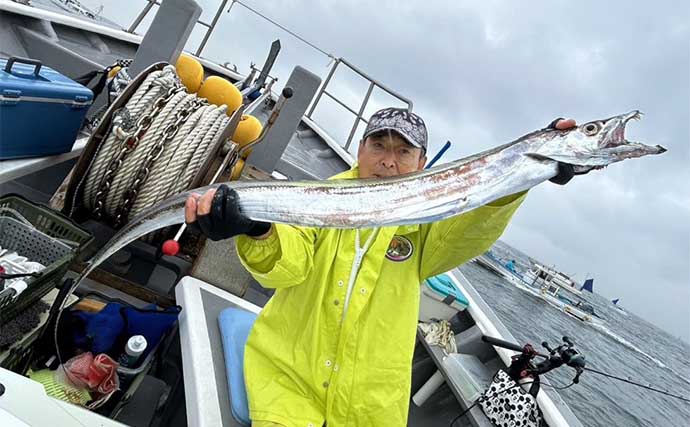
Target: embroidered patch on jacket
[399, 249]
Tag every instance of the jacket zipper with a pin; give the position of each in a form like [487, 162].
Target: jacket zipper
[356, 264]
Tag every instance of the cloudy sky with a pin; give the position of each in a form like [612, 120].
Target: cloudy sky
[482, 73]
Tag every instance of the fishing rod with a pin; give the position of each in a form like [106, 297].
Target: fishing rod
[522, 367]
[637, 384]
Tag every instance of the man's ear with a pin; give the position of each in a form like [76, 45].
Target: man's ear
[422, 162]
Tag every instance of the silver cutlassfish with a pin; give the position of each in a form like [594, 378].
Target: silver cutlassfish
[416, 198]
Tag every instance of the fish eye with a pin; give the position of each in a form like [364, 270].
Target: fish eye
[591, 128]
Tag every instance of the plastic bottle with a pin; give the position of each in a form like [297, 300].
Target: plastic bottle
[136, 345]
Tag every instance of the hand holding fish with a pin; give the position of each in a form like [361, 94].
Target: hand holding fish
[563, 124]
[565, 171]
[217, 215]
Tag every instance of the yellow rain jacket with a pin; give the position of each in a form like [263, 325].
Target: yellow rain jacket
[314, 354]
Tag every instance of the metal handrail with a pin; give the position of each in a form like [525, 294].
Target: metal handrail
[358, 114]
[210, 27]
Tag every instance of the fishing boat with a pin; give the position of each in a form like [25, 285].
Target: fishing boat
[184, 379]
[555, 280]
[618, 307]
[588, 286]
[501, 268]
[546, 283]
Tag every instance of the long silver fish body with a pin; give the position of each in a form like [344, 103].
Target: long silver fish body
[416, 198]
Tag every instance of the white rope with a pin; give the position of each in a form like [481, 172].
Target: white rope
[109, 148]
[204, 142]
[440, 334]
[161, 180]
[173, 154]
[125, 177]
[181, 157]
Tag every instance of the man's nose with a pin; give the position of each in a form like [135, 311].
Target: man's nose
[388, 160]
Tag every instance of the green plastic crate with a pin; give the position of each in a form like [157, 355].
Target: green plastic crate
[62, 231]
[18, 358]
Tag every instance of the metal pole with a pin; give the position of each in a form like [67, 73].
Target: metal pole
[323, 87]
[438, 155]
[359, 115]
[213, 25]
[141, 16]
[341, 103]
[379, 84]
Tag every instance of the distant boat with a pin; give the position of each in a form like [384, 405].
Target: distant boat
[618, 307]
[549, 276]
[543, 282]
[492, 263]
[588, 286]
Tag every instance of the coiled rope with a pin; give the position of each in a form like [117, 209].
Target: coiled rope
[155, 147]
[440, 334]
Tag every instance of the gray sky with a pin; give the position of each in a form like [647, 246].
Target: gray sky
[482, 73]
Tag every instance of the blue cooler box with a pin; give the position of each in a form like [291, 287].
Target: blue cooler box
[441, 299]
[40, 109]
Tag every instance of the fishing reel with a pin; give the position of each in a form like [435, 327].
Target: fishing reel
[522, 365]
[563, 354]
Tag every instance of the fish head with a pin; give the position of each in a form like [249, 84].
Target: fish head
[593, 145]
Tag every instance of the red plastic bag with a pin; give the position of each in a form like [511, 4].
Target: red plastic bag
[97, 374]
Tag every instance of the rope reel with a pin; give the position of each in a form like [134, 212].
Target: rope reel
[155, 139]
[160, 140]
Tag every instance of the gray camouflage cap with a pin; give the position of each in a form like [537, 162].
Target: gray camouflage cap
[409, 125]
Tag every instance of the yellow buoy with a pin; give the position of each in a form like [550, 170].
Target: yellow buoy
[190, 72]
[247, 131]
[237, 170]
[219, 91]
[247, 152]
[116, 69]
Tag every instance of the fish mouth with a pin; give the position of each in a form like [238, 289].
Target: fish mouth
[618, 133]
[616, 136]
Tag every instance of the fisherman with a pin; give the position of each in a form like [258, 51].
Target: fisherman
[335, 342]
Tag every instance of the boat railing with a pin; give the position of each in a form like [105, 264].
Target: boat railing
[323, 90]
[359, 115]
[209, 27]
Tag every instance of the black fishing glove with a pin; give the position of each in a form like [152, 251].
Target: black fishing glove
[565, 170]
[225, 219]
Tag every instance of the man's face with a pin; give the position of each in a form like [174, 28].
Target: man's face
[384, 154]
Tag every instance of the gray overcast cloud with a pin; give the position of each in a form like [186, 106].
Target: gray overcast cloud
[483, 73]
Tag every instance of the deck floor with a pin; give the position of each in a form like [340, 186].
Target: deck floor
[438, 411]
